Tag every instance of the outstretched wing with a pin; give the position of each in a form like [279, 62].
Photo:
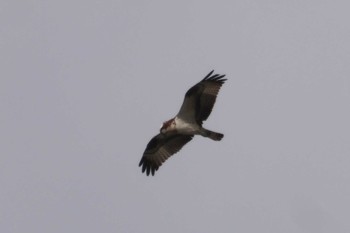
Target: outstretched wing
[200, 99]
[159, 149]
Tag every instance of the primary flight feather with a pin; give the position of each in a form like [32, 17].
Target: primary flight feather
[176, 132]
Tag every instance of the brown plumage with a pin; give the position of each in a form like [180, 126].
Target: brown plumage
[176, 132]
[160, 148]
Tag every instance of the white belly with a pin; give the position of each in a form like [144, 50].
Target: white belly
[184, 127]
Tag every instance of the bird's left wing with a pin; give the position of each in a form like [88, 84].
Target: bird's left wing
[159, 149]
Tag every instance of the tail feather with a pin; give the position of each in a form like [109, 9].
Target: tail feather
[213, 135]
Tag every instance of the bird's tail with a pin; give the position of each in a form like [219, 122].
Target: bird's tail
[212, 135]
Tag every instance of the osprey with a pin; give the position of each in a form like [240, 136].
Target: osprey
[176, 132]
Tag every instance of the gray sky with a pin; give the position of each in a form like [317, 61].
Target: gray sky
[84, 85]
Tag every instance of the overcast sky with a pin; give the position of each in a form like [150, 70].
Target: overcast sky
[84, 85]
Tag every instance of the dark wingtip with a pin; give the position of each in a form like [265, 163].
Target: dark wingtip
[147, 167]
[221, 79]
[215, 77]
[208, 75]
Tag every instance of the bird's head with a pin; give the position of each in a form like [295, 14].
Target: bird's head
[168, 126]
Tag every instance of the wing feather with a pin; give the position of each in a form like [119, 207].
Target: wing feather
[159, 149]
[200, 99]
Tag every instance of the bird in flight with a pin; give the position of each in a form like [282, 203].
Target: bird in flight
[176, 132]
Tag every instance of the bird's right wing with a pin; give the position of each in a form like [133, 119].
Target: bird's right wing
[200, 99]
